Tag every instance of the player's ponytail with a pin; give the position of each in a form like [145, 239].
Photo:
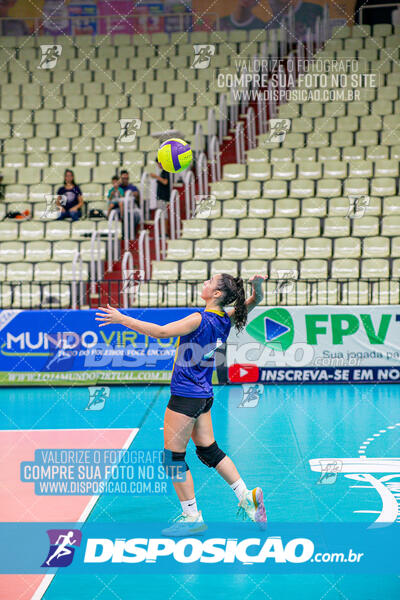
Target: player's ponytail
[233, 290]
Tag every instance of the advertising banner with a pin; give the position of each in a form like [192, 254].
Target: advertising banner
[84, 18]
[319, 344]
[68, 346]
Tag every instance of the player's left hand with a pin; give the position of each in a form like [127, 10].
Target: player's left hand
[257, 280]
[109, 315]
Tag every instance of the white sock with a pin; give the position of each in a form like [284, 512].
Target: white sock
[189, 507]
[239, 487]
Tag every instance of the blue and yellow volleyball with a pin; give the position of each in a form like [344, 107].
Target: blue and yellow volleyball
[174, 155]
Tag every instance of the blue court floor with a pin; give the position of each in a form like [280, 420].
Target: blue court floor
[271, 444]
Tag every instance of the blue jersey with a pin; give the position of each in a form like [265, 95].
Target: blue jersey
[194, 358]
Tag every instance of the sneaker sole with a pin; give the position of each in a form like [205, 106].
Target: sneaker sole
[258, 499]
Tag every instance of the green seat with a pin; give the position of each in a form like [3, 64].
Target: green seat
[318, 248]
[358, 109]
[248, 189]
[234, 209]
[307, 227]
[302, 188]
[356, 187]
[336, 227]
[342, 138]
[223, 228]
[11, 252]
[366, 138]
[375, 268]
[194, 229]
[312, 109]
[224, 266]
[347, 247]
[294, 140]
[193, 270]
[275, 189]
[249, 268]
[383, 186]
[391, 205]
[361, 168]
[38, 251]
[376, 247]
[336, 169]
[317, 139]
[390, 226]
[207, 249]
[339, 207]
[31, 230]
[353, 153]
[366, 226]
[313, 269]
[305, 154]
[47, 271]
[251, 228]
[345, 268]
[261, 208]
[280, 155]
[290, 248]
[325, 124]
[234, 172]
[164, 270]
[371, 123]
[288, 207]
[263, 248]
[222, 190]
[335, 109]
[349, 123]
[284, 170]
[278, 228]
[327, 154]
[329, 188]
[235, 249]
[259, 171]
[313, 207]
[386, 168]
[302, 125]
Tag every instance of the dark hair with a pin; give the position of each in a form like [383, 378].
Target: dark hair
[72, 173]
[233, 291]
[114, 178]
[123, 172]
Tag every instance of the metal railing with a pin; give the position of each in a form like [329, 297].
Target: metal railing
[145, 293]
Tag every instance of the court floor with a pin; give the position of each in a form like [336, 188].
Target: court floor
[272, 437]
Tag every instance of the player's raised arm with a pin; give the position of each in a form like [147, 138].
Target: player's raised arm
[110, 315]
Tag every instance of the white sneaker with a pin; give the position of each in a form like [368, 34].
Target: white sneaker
[185, 524]
[252, 506]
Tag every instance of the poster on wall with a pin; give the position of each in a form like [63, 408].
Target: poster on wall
[320, 344]
[149, 18]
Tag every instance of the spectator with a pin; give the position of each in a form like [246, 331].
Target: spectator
[163, 186]
[69, 198]
[115, 195]
[129, 188]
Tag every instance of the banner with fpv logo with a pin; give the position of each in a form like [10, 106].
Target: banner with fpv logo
[321, 344]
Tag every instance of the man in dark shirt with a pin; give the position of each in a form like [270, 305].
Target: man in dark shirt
[163, 184]
[130, 188]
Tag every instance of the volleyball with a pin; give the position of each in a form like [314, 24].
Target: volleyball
[175, 155]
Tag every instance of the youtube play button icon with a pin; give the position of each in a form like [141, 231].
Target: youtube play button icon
[243, 373]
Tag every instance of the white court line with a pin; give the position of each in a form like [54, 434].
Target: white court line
[47, 579]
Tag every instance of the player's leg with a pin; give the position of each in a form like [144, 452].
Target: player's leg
[250, 501]
[177, 431]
